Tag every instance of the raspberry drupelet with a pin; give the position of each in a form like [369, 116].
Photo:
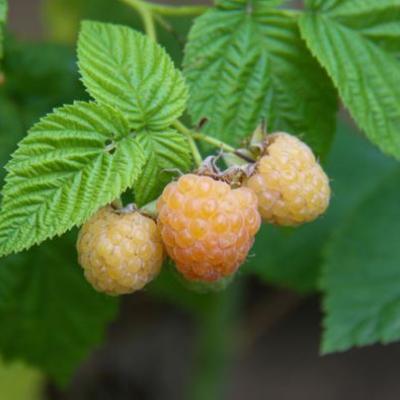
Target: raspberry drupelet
[207, 227]
[120, 252]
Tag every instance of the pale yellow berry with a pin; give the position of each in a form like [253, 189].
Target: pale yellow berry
[120, 252]
[290, 185]
[207, 227]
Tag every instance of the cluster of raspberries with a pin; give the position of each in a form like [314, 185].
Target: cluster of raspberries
[204, 225]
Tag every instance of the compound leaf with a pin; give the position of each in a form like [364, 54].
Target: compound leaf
[358, 43]
[129, 71]
[167, 154]
[72, 162]
[245, 62]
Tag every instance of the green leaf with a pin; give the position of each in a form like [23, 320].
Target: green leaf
[167, 153]
[292, 257]
[361, 274]
[358, 44]
[72, 162]
[3, 16]
[245, 63]
[129, 71]
[49, 315]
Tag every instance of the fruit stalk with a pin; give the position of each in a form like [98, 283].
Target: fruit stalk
[193, 147]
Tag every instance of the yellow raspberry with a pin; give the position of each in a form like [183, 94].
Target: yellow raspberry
[120, 252]
[207, 227]
[290, 185]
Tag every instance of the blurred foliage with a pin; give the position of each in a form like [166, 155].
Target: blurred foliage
[63, 18]
[361, 274]
[47, 308]
[3, 15]
[19, 382]
[39, 77]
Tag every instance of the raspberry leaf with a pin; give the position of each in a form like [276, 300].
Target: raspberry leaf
[167, 153]
[358, 44]
[361, 274]
[247, 62]
[127, 70]
[57, 316]
[72, 162]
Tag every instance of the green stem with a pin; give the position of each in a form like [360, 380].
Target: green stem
[193, 147]
[163, 9]
[146, 14]
[213, 141]
[291, 13]
[178, 11]
[216, 344]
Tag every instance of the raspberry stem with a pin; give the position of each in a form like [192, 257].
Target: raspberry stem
[213, 141]
[221, 145]
[215, 348]
[147, 7]
[146, 13]
[193, 147]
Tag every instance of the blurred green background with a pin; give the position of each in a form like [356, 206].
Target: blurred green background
[258, 339]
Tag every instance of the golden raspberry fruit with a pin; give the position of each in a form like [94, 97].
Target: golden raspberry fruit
[120, 252]
[207, 227]
[290, 185]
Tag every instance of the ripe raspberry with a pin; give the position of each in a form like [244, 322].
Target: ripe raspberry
[290, 185]
[207, 227]
[120, 252]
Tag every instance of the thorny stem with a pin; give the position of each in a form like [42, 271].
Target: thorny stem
[193, 147]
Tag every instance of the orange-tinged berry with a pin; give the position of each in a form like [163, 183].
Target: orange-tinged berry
[120, 252]
[216, 229]
[290, 185]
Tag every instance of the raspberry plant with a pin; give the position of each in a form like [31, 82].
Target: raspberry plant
[250, 67]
